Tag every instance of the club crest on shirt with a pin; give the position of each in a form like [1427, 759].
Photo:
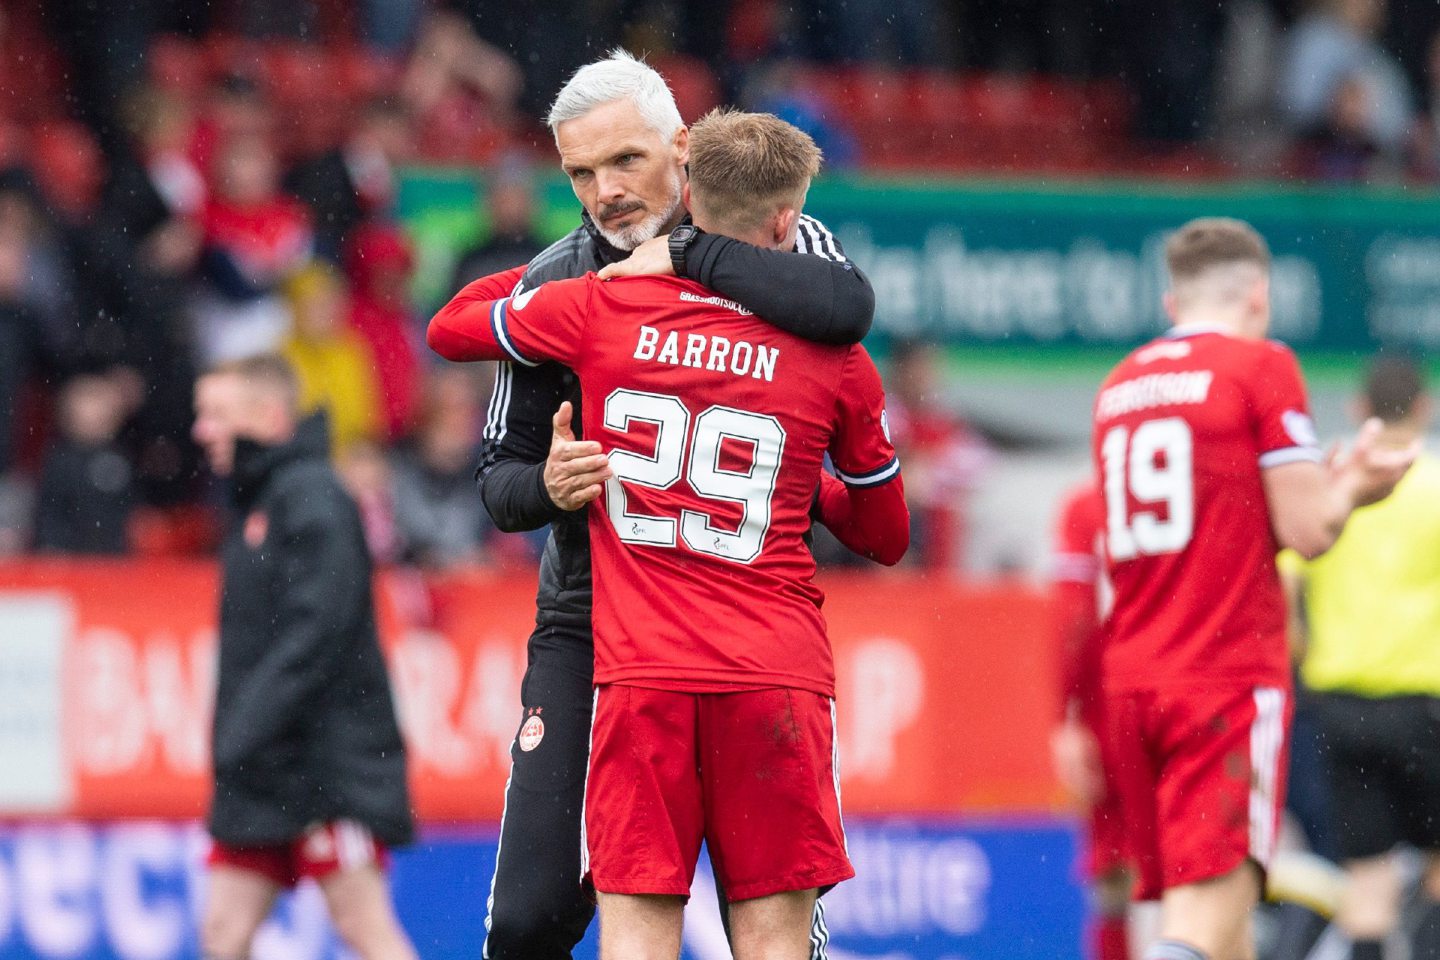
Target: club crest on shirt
[257, 524]
[531, 733]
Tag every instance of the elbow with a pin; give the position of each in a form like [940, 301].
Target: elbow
[892, 550]
[853, 317]
[435, 338]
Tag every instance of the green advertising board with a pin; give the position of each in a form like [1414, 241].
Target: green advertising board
[1024, 264]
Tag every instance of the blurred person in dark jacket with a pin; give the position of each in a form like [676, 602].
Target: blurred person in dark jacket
[441, 521]
[148, 244]
[309, 764]
[510, 235]
[356, 180]
[87, 485]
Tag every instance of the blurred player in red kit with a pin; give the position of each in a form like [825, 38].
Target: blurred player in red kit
[709, 641]
[1209, 464]
[1079, 596]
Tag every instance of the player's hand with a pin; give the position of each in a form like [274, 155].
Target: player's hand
[1373, 467]
[1076, 756]
[576, 470]
[650, 259]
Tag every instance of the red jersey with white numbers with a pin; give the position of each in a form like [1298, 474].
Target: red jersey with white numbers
[716, 425]
[1183, 428]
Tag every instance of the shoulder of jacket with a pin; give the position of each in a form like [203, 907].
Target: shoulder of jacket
[560, 260]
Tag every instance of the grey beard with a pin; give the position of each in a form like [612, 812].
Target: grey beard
[628, 238]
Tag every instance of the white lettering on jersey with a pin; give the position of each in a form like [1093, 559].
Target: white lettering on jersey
[670, 353]
[1154, 390]
[765, 358]
[694, 350]
[645, 346]
[719, 350]
[720, 354]
[689, 297]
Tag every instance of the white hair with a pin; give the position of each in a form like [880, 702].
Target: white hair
[619, 76]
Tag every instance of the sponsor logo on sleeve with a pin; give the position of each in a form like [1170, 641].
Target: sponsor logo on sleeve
[520, 299]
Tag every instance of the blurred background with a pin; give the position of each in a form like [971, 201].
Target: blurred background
[183, 183]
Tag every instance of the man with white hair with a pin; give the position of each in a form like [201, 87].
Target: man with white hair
[624, 147]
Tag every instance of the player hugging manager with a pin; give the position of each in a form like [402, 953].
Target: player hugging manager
[624, 147]
[714, 717]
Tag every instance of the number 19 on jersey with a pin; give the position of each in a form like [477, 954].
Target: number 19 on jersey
[1154, 465]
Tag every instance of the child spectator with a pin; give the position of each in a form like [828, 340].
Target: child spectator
[333, 363]
[254, 238]
[379, 264]
[86, 490]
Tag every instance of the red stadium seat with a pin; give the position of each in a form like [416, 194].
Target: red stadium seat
[696, 91]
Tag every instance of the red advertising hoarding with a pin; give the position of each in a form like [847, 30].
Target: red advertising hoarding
[945, 693]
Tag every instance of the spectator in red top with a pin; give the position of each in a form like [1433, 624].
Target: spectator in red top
[254, 238]
[943, 457]
[379, 263]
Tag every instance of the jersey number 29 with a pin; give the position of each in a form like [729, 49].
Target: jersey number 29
[1154, 465]
[752, 488]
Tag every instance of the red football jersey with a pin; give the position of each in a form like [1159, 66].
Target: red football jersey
[1080, 594]
[1183, 428]
[716, 425]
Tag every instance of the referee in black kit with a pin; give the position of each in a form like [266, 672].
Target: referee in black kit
[624, 147]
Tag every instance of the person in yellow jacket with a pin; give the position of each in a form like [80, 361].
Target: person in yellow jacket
[333, 363]
[1370, 627]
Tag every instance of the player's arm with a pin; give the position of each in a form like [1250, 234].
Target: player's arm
[324, 570]
[475, 324]
[866, 511]
[1311, 502]
[1310, 497]
[814, 293]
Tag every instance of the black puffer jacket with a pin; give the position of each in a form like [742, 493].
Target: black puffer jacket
[305, 727]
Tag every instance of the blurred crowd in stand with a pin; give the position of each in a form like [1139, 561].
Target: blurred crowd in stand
[183, 183]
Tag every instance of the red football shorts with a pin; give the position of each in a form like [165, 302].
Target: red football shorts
[1201, 777]
[323, 849]
[752, 773]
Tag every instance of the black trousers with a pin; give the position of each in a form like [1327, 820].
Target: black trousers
[537, 908]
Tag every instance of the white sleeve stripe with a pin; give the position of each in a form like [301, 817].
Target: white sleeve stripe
[826, 237]
[817, 241]
[874, 477]
[495, 428]
[1275, 458]
[498, 315]
[801, 246]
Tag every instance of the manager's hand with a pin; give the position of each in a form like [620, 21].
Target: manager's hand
[650, 259]
[576, 470]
